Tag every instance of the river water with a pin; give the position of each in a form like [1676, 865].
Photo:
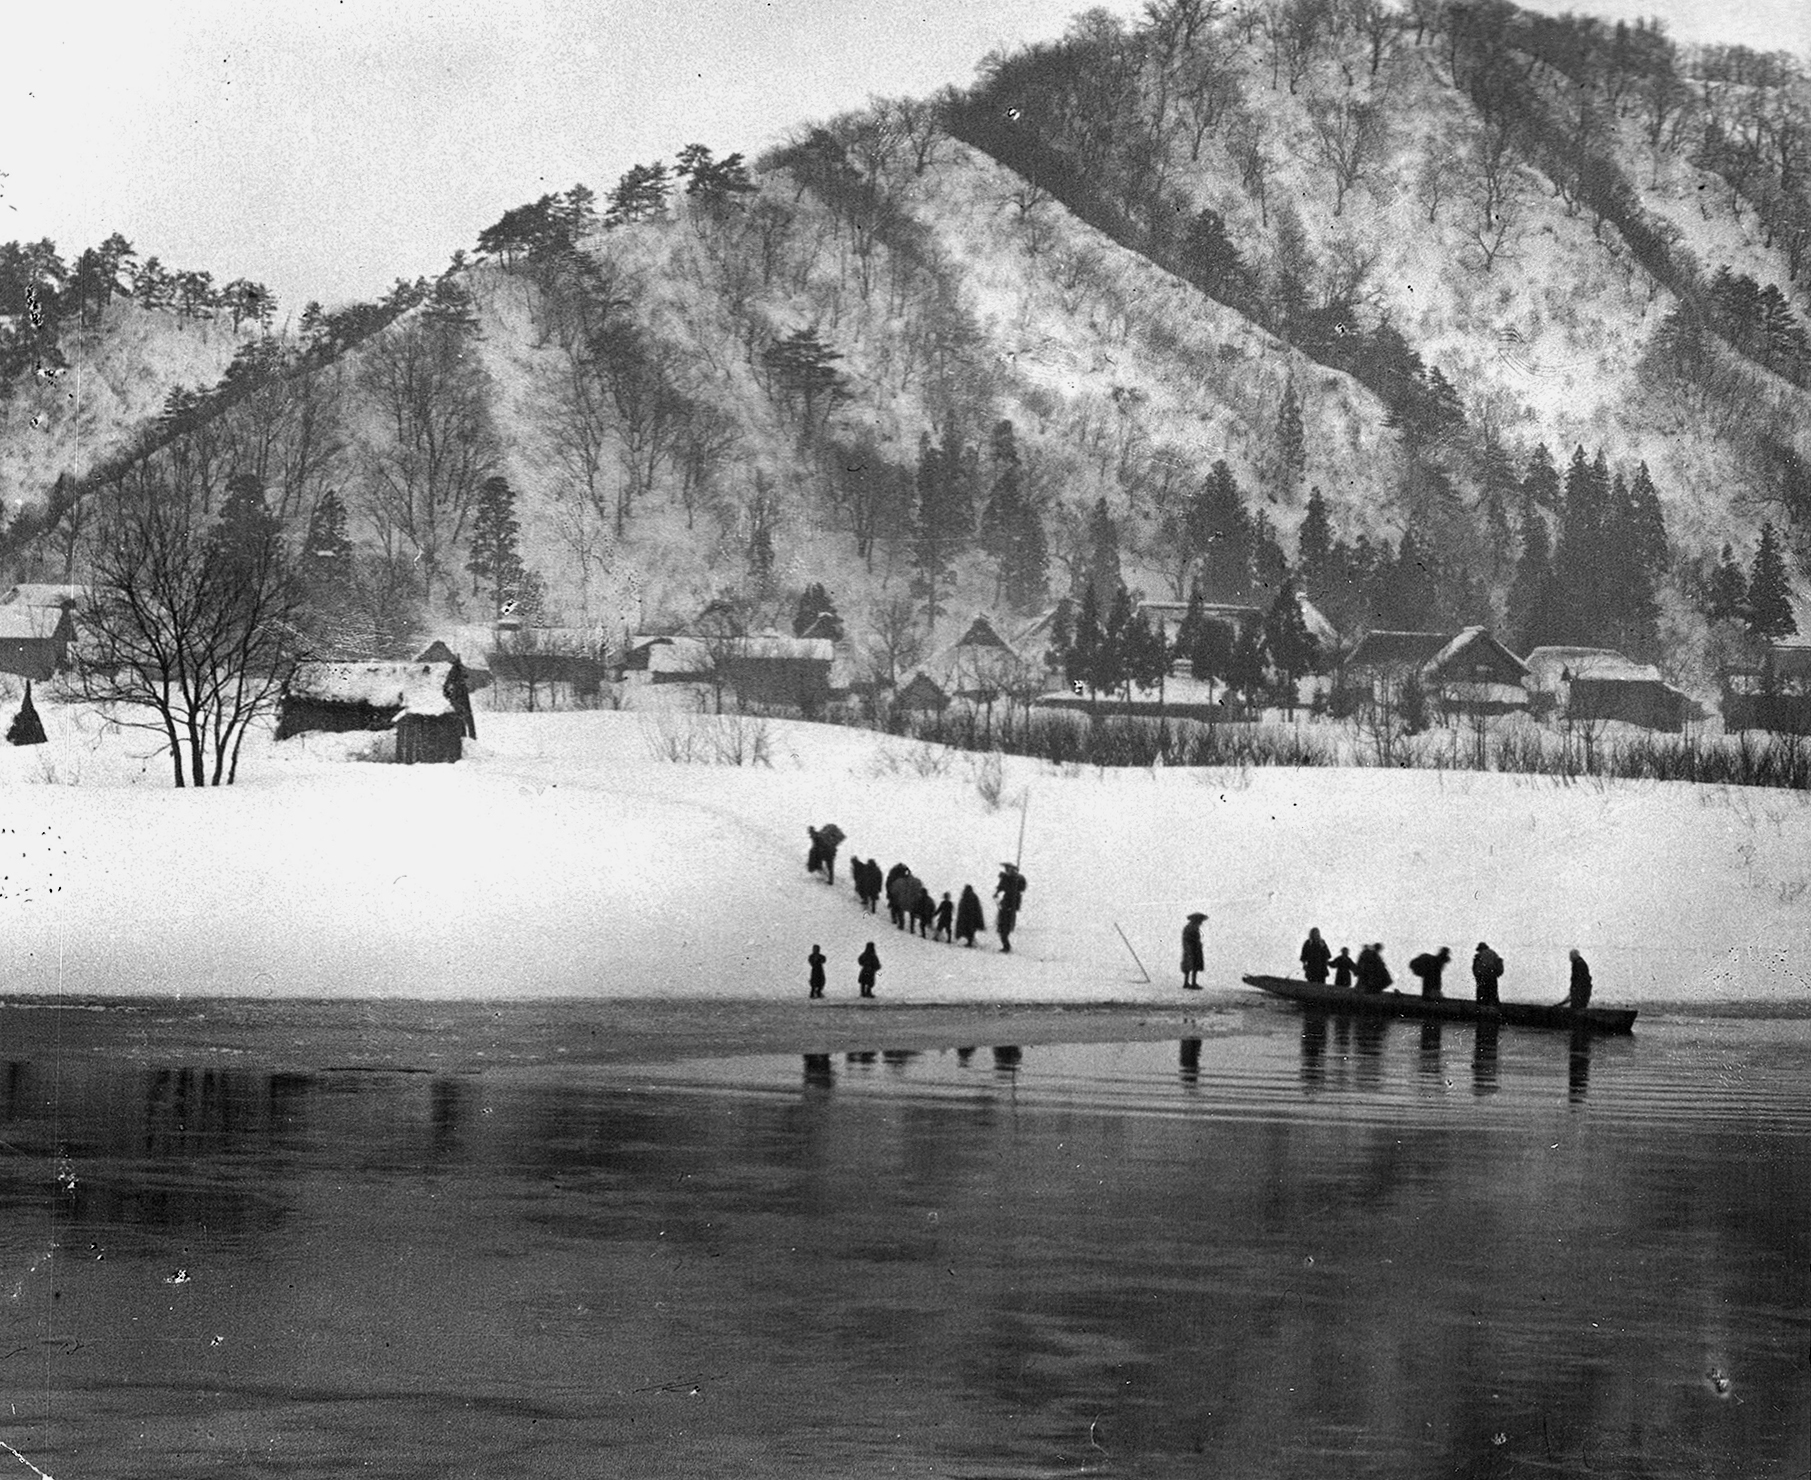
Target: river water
[1302, 1249]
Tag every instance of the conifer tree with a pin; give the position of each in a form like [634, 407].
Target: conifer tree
[943, 517]
[1314, 542]
[495, 556]
[1011, 532]
[1769, 590]
[1582, 558]
[1292, 648]
[1101, 572]
[26, 728]
[1292, 445]
[1226, 559]
[1727, 598]
[1531, 592]
[1540, 484]
[325, 563]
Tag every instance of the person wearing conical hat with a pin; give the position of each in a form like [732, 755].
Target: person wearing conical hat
[1194, 958]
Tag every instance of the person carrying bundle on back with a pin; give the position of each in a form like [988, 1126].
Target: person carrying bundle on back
[1373, 976]
[1429, 966]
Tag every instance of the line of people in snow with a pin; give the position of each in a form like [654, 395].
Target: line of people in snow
[909, 905]
[1367, 972]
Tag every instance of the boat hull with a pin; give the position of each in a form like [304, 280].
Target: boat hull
[1445, 1009]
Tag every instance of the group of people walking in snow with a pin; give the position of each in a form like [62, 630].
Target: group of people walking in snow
[909, 905]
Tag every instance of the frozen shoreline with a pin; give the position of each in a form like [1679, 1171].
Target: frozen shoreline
[563, 862]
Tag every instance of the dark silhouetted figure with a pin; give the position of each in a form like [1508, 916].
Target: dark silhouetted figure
[970, 921]
[825, 841]
[924, 911]
[1343, 967]
[1194, 958]
[898, 899]
[946, 915]
[1373, 975]
[1315, 957]
[816, 962]
[1010, 891]
[869, 962]
[867, 882]
[1486, 972]
[1579, 997]
[1429, 966]
[1005, 921]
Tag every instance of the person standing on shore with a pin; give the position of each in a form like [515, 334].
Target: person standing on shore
[1315, 957]
[1343, 967]
[1194, 958]
[816, 962]
[869, 962]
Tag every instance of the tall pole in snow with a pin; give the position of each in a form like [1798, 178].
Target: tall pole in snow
[1024, 807]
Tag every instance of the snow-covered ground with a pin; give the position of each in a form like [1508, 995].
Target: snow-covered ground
[564, 859]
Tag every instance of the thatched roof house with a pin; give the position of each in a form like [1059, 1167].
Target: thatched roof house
[1468, 669]
[427, 704]
[1592, 684]
[35, 639]
[765, 668]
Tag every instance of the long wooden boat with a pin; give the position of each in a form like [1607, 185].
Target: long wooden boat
[1445, 1009]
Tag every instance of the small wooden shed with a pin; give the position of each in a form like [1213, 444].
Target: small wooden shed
[426, 704]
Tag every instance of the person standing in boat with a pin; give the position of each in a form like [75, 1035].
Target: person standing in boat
[816, 962]
[869, 963]
[1315, 958]
[1429, 966]
[1194, 959]
[1373, 976]
[1343, 967]
[1579, 997]
[1486, 972]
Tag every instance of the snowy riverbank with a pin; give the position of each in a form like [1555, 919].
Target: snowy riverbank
[563, 859]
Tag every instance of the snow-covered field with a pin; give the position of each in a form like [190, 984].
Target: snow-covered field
[564, 859]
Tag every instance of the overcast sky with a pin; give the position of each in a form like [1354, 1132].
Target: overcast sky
[326, 147]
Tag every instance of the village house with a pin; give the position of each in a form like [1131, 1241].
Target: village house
[37, 629]
[1773, 695]
[1467, 671]
[1582, 684]
[427, 704]
[765, 670]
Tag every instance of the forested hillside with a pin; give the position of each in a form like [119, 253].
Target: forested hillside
[1451, 313]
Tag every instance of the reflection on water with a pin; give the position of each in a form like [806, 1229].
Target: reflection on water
[1317, 1251]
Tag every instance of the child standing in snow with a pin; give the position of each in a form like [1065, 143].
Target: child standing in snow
[946, 913]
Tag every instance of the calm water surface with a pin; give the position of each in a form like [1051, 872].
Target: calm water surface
[1312, 1250]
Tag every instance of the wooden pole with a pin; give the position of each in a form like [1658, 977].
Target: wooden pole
[1142, 972]
[1024, 807]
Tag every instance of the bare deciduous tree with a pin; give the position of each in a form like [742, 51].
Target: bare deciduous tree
[435, 443]
[191, 635]
[1349, 135]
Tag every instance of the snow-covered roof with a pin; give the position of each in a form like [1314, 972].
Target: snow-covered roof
[1474, 637]
[682, 653]
[43, 594]
[1386, 649]
[408, 688]
[19, 622]
[1552, 666]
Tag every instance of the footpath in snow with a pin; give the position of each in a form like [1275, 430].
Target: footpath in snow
[562, 858]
